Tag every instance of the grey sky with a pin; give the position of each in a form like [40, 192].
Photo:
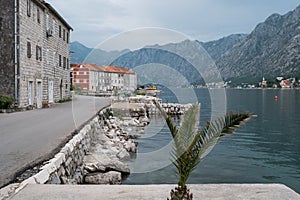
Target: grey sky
[97, 20]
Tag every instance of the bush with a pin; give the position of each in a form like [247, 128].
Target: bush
[6, 101]
[74, 88]
[140, 93]
[64, 100]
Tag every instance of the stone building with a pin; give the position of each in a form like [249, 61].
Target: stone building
[35, 52]
[95, 78]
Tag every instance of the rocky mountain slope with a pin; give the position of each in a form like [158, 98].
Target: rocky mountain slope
[271, 50]
[78, 52]
[217, 48]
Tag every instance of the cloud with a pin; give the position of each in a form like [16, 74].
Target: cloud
[96, 20]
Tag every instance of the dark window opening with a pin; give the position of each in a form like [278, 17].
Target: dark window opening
[28, 50]
[1, 19]
[67, 37]
[60, 31]
[64, 62]
[38, 15]
[60, 60]
[28, 8]
[64, 34]
[38, 53]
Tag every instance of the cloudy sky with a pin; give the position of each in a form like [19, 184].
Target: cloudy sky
[97, 20]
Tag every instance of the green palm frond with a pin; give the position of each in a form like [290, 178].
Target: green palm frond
[191, 144]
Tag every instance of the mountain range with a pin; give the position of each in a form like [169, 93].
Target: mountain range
[272, 49]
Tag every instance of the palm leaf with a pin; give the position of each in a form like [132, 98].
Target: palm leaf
[190, 145]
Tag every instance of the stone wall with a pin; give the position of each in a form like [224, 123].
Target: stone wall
[34, 72]
[55, 46]
[7, 69]
[47, 67]
[30, 31]
[66, 167]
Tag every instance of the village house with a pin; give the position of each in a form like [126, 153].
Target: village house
[35, 52]
[95, 78]
[285, 84]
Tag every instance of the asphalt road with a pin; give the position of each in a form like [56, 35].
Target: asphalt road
[32, 136]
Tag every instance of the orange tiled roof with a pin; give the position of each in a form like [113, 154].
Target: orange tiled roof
[108, 69]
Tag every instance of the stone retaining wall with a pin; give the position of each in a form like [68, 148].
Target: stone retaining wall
[66, 166]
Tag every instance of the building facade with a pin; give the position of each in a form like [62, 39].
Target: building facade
[35, 62]
[103, 78]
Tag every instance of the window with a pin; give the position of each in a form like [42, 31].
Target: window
[38, 53]
[47, 22]
[77, 81]
[54, 59]
[1, 23]
[64, 34]
[68, 64]
[67, 37]
[64, 62]
[59, 60]
[59, 31]
[28, 50]
[84, 81]
[28, 8]
[38, 15]
[54, 27]
[47, 57]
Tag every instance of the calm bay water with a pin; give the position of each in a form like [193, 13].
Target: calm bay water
[264, 150]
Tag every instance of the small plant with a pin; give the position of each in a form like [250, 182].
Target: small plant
[64, 100]
[140, 93]
[190, 143]
[6, 101]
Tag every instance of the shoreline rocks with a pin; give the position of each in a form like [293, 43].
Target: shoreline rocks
[106, 161]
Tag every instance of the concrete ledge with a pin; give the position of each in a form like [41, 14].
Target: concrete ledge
[156, 192]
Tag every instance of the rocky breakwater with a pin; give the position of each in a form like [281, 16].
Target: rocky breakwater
[151, 109]
[175, 108]
[106, 161]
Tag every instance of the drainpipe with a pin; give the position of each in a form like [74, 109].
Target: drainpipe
[16, 50]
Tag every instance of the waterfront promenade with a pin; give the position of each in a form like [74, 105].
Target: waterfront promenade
[32, 136]
[156, 192]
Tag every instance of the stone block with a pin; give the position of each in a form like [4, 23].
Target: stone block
[49, 167]
[61, 171]
[111, 177]
[65, 150]
[42, 177]
[59, 159]
[70, 146]
[68, 162]
[54, 179]
[7, 191]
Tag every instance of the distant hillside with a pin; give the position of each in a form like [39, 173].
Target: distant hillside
[271, 50]
[187, 58]
[78, 52]
[218, 47]
[215, 49]
[81, 53]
